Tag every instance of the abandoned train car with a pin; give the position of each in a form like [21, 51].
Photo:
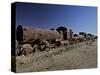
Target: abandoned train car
[29, 34]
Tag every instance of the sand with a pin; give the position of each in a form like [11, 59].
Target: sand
[62, 58]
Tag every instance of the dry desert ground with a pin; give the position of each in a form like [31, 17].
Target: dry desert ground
[62, 58]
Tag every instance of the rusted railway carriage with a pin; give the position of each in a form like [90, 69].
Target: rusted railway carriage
[29, 34]
[39, 38]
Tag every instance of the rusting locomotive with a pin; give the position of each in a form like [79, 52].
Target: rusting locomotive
[41, 38]
[29, 34]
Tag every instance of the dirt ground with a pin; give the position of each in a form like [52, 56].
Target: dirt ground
[62, 58]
